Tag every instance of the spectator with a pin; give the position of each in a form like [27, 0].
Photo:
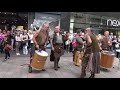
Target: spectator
[114, 42]
[4, 33]
[6, 49]
[31, 33]
[118, 39]
[1, 38]
[67, 43]
[70, 39]
[13, 38]
[25, 42]
[9, 37]
[18, 40]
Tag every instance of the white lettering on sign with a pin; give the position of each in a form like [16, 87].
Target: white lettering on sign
[115, 23]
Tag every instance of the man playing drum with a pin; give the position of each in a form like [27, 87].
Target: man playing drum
[40, 39]
[92, 47]
[106, 41]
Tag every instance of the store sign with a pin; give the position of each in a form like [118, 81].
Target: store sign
[115, 23]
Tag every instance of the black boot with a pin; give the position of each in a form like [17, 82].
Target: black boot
[43, 69]
[92, 76]
[58, 62]
[83, 74]
[56, 69]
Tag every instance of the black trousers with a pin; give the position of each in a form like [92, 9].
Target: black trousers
[1, 49]
[55, 57]
[7, 54]
[52, 57]
[71, 47]
[56, 61]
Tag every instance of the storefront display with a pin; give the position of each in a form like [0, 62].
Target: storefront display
[98, 23]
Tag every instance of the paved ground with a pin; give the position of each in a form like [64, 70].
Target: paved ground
[12, 69]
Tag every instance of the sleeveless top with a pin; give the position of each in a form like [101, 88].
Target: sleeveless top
[57, 39]
[18, 38]
[41, 38]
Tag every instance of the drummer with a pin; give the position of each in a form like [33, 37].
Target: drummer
[40, 39]
[57, 46]
[92, 48]
[106, 41]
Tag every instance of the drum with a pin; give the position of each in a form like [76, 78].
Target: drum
[77, 58]
[39, 60]
[107, 59]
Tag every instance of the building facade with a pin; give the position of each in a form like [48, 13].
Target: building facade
[99, 21]
[71, 21]
[68, 21]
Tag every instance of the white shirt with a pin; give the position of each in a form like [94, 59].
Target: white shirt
[18, 38]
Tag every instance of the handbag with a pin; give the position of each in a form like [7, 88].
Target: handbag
[52, 57]
[8, 47]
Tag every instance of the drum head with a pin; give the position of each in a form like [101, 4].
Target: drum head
[108, 53]
[42, 53]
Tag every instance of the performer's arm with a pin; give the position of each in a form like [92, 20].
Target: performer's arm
[51, 42]
[100, 46]
[46, 41]
[89, 41]
[34, 38]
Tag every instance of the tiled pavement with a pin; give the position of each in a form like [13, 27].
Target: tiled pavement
[12, 69]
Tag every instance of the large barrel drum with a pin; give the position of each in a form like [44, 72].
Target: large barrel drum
[39, 60]
[107, 59]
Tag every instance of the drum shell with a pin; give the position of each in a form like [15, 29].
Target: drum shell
[77, 58]
[106, 60]
[38, 61]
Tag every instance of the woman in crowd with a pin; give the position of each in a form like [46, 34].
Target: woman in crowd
[25, 42]
[114, 42]
[18, 40]
[67, 43]
[6, 48]
[13, 38]
[31, 33]
[1, 38]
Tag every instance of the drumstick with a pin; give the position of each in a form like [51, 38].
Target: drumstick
[24, 64]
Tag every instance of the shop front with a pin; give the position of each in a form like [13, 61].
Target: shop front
[98, 23]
